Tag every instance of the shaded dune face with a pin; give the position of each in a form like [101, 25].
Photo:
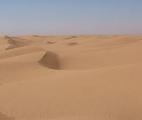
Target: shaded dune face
[50, 60]
[5, 117]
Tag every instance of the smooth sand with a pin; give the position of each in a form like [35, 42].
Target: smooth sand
[71, 78]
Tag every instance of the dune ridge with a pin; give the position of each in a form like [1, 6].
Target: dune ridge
[20, 51]
[14, 42]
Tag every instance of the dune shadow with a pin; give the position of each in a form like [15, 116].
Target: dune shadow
[51, 42]
[72, 43]
[71, 37]
[50, 60]
[5, 117]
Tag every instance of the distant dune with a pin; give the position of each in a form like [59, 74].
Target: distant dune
[71, 77]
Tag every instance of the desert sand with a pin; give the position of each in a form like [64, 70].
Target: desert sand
[71, 77]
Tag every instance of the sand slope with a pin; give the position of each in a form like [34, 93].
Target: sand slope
[71, 78]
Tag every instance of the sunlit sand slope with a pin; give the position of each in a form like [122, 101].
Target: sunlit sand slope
[71, 78]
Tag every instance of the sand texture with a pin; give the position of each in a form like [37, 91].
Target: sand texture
[71, 77]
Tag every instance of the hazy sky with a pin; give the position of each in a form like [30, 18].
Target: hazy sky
[70, 16]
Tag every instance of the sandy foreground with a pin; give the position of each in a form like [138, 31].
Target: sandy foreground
[71, 78]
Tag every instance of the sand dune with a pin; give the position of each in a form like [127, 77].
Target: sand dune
[3, 44]
[71, 78]
[14, 42]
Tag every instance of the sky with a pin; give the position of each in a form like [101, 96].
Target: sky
[62, 17]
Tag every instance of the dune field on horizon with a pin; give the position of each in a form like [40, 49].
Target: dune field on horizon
[71, 77]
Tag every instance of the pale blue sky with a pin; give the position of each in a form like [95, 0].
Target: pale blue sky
[70, 17]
